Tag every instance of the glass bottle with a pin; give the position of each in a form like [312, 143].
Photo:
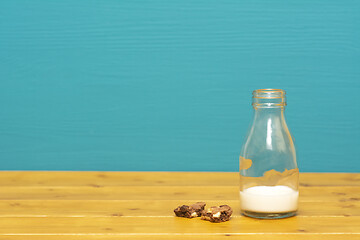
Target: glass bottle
[269, 174]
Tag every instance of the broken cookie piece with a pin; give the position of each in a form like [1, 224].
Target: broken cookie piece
[192, 211]
[198, 207]
[217, 214]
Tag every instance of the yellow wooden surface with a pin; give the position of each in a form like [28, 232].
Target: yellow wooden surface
[139, 205]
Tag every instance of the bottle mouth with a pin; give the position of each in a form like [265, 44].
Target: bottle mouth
[269, 98]
[269, 93]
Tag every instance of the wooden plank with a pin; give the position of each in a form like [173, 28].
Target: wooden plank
[24, 178]
[285, 236]
[89, 210]
[130, 208]
[194, 193]
[329, 179]
[174, 225]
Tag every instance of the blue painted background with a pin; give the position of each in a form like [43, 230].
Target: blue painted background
[166, 85]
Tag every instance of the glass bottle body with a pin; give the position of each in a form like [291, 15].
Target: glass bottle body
[268, 168]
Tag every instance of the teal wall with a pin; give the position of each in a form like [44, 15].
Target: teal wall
[166, 85]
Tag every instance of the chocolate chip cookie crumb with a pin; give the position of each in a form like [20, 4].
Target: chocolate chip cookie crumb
[217, 214]
[192, 211]
[198, 207]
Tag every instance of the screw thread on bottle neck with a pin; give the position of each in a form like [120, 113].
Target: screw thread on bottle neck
[269, 98]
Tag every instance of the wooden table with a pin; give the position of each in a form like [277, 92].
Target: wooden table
[139, 205]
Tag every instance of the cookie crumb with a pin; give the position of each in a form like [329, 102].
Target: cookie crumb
[195, 210]
[217, 214]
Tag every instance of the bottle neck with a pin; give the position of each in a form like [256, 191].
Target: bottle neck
[269, 105]
[269, 124]
[265, 113]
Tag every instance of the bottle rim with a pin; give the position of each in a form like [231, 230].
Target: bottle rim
[269, 93]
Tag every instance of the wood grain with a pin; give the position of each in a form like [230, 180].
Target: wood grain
[160, 208]
[56, 178]
[283, 236]
[167, 226]
[195, 193]
[137, 205]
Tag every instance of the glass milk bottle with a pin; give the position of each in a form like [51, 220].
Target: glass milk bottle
[268, 171]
